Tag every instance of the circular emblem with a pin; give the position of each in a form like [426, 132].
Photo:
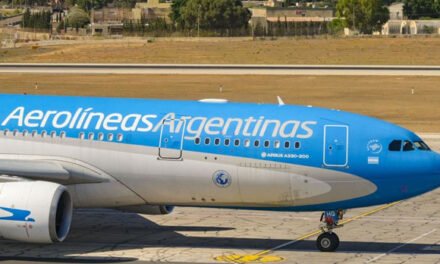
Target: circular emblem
[222, 178]
[263, 154]
[374, 146]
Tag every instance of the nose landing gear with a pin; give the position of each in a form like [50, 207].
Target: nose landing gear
[328, 241]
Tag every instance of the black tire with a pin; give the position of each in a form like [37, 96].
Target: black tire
[327, 242]
[336, 239]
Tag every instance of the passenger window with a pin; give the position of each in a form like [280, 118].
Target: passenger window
[110, 137]
[34, 133]
[15, 132]
[277, 144]
[62, 134]
[266, 143]
[43, 133]
[257, 143]
[395, 145]
[207, 141]
[120, 137]
[297, 145]
[247, 143]
[91, 136]
[237, 142]
[287, 144]
[100, 136]
[217, 141]
[5, 132]
[81, 135]
[408, 145]
[53, 134]
[227, 142]
[197, 141]
[25, 132]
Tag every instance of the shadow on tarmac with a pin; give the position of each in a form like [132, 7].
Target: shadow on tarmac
[97, 231]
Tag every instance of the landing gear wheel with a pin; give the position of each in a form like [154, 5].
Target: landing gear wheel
[327, 242]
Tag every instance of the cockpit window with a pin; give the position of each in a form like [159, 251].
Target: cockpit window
[395, 145]
[408, 145]
[421, 145]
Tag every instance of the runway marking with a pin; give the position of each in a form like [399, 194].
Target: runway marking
[263, 257]
[400, 246]
[317, 232]
[249, 258]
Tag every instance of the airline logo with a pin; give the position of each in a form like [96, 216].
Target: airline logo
[12, 214]
[85, 119]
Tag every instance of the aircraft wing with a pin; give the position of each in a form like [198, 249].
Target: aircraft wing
[48, 169]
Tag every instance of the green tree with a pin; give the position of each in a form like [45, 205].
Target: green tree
[77, 18]
[219, 15]
[364, 15]
[38, 20]
[124, 3]
[415, 9]
[336, 26]
[175, 13]
[87, 5]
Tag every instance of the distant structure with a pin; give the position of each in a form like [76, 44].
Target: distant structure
[109, 21]
[275, 3]
[275, 12]
[396, 11]
[152, 9]
[400, 25]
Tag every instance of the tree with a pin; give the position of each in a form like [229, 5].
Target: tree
[124, 3]
[87, 5]
[77, 18]
[336, 26]
[364, 15]
[415, 9]
[219, 15]
[389, 2]
[175, 13]
[39, 20]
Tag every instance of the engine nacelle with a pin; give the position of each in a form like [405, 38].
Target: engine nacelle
[35, 211]
[148, 209]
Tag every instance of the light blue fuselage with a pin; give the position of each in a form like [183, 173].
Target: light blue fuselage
[290, 139]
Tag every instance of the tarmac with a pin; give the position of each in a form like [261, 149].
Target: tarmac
[403, 232]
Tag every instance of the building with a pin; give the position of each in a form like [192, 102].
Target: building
[266, 17]
[396, 11]
[424, 27]
[109, 21]
[152, 9]
[411, 27]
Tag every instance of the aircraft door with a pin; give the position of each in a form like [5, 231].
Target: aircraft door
[171, 139]
[335, 145]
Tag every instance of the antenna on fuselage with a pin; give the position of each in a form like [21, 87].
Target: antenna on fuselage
[280, 101]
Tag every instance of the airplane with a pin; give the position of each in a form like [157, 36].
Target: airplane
[147, 156]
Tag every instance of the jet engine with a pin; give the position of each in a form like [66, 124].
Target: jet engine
[35, 211]
[148, 209]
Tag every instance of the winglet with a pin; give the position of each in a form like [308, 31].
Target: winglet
[280, 101]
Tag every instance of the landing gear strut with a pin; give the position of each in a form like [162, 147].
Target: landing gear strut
[328, 241]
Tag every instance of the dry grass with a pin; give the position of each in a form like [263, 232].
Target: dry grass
[387, 98]
[421, 50]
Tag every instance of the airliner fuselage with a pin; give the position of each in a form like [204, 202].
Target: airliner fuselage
[112, 152]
